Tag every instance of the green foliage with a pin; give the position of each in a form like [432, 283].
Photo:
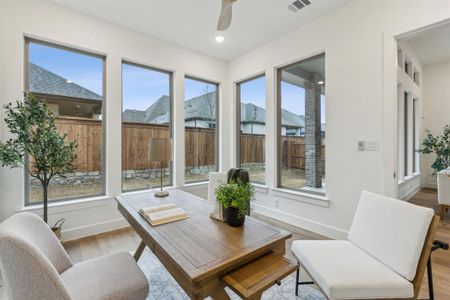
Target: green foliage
[439, 145]
[235, 194]
[34, 132]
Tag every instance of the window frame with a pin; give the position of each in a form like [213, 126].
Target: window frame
[217, 128]
[171, 127]
[416, 138]
[238, 85]
[26, 84]
[278, 127]
[406, 121]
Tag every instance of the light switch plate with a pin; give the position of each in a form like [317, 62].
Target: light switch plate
[361, 145]
[372, 146]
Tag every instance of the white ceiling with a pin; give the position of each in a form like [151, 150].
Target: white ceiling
[192, 23]
[433, 45]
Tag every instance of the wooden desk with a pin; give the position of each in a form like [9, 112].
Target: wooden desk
[198, 251]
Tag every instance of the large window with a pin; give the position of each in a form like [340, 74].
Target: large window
[200, 119]
[415, 130]
[252, 127]
[301, 125]
[146, 114]
[408, 134]
[71, 83]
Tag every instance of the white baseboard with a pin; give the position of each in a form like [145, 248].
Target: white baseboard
[320, 228]
[93, 229]
[430, 185]
[411, 193]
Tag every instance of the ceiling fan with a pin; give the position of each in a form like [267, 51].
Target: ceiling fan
[225, 15]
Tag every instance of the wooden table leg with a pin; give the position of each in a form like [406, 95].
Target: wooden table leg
[139, 251]
[256, 296]
[220, 294]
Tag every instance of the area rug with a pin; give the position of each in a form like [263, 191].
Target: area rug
[164, 287]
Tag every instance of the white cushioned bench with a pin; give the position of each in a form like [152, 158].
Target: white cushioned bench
[384, 257]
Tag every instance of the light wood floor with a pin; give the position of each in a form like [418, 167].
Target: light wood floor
[127, 240]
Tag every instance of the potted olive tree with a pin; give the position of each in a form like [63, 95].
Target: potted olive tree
[36, 144]
[235, 197]
[440, 146]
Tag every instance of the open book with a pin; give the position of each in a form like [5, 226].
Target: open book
[163, 214]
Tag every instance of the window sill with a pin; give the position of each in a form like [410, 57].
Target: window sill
[409, 178]
[70, 205]
[196, 183]
[306, 196]
[147, 190]
[260, 188]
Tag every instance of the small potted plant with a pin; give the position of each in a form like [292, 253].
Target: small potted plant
[235, 197]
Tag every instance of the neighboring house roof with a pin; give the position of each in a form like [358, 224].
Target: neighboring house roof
[133, 115]
[290, 119]
[203, 108]
[156, 113]
[251, 113]
[46, 82]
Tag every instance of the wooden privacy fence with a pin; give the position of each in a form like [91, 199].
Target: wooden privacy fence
[200, 145]
[135, 143]
[253, 148]
[88, 135]
[292, 150]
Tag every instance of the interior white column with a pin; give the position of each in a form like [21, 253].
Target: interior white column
[113, 126]
[178, 129]
[227, 126]
[271, 127]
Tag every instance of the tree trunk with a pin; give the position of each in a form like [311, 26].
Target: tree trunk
[45, 188]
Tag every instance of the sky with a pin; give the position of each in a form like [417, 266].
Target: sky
[81, 69]
[143, 86]
[292, 96]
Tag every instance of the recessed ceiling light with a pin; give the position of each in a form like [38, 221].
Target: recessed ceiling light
[220, 39]
[69, 81]
[320, 82]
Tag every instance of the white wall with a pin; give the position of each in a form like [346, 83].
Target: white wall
[436, 108]
[1, 116]
[361, 95]
[66, 27]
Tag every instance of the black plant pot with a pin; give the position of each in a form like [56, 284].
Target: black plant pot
[232, 217]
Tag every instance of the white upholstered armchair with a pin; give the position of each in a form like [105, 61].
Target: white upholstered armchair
[443, 183]
[384, 257]
[35, 266]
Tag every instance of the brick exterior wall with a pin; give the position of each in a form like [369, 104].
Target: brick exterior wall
[313, 138]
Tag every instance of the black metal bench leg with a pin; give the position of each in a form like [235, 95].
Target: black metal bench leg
[298, 282]
[430, 279]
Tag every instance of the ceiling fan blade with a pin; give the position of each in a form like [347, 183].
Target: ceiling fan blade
[225, 15]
